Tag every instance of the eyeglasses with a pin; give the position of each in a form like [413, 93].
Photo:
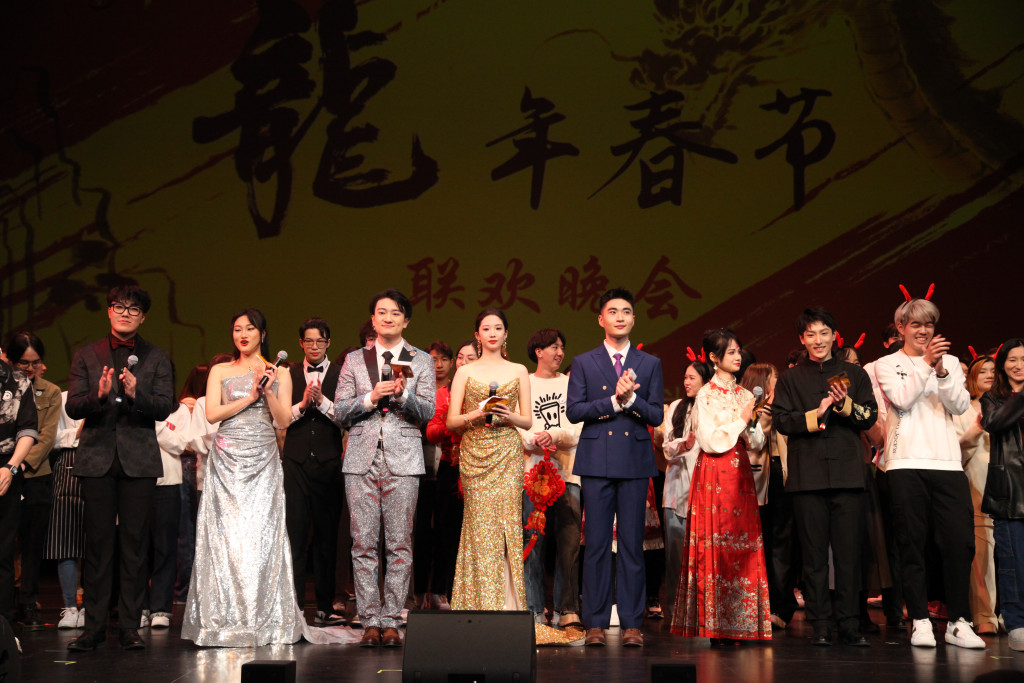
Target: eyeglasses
[37, 363]
[318, 343]
[133, 311]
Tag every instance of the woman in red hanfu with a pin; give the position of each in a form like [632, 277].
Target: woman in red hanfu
[723, 587]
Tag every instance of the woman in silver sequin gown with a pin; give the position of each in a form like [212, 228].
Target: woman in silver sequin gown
[242, 593]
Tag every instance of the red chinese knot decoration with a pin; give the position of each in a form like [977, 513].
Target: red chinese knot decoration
[543, 486]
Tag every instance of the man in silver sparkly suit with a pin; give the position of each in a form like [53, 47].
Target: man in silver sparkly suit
[384, 410]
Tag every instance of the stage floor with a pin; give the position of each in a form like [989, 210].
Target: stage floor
[789, 658]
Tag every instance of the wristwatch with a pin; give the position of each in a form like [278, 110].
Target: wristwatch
[13, 468]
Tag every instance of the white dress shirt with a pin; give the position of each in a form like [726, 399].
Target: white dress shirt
[326, 406]
[611, 355]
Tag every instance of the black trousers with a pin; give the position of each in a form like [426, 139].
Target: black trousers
[314, 495]
[117, 508]
[33, 527]
[448, 512]
[423, 542]
[10, 509]
[933, 503]
[831, 518]
[163, 555]
[892, 598]
[781, 545]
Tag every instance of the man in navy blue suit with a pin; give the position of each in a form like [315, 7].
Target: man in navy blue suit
[616, 391]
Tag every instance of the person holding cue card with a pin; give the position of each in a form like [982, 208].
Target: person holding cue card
[823, 404]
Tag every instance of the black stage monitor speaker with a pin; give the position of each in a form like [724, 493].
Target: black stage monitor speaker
[673, 671]
[469, 647]
[269, 671]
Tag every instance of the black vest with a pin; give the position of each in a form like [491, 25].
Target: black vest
[313, 433]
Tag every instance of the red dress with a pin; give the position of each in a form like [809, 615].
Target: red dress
[723, 585]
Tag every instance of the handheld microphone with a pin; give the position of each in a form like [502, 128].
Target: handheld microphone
[385, 401]
[494, 391]
[282, 356]
[758, 392]
[133, 360]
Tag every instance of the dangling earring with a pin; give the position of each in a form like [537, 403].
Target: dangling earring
[478, 347]
[504, 346]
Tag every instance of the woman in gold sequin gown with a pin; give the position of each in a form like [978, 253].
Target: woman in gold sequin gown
[489, 568]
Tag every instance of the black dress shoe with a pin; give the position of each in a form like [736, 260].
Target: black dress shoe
[86, 642]
[895, 626]
[30, 620]
[853, 640]
[822, 638]
[868, 626]
[130, 640]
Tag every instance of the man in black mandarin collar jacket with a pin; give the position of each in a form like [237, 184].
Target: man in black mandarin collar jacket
[822, 404]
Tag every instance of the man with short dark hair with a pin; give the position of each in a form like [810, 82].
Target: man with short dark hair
[823, 404]
[551, 431]
[118, 460]
[312, 470]
[617, 392]
[442, 355]
[384, 460]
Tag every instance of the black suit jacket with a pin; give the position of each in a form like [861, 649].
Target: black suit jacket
[127, 429]
[314, 433]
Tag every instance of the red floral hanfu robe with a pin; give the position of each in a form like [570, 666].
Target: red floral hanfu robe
[723, 586]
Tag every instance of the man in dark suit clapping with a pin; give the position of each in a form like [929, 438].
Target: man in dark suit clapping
[616, 391]
[118, 460]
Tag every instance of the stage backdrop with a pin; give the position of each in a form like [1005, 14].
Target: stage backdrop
[729, 161]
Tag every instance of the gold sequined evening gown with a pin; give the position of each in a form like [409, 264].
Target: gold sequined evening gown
[491, 467]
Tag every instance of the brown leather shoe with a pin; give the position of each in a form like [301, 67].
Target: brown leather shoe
[391, 638]
[595, 636]
[371, 637]
[632, 637]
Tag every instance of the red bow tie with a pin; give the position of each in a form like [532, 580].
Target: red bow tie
[127, 343]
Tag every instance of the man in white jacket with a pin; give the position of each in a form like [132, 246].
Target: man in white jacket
[923, 388]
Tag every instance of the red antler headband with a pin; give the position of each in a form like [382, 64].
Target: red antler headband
[927, 297]
[857, 344]
[974, 354]
[693, 358]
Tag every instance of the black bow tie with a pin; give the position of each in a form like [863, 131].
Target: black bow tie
[315, 368]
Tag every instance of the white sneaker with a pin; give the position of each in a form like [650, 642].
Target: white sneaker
[1017, 639]
[614, 622]
[961, 634]
[922, 634]
[81, 618]
[144, 619]
[68, 618]
[160, 620]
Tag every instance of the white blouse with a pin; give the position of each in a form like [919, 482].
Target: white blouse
[717, 417]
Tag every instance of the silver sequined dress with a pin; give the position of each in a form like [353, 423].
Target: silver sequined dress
[242, 593]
